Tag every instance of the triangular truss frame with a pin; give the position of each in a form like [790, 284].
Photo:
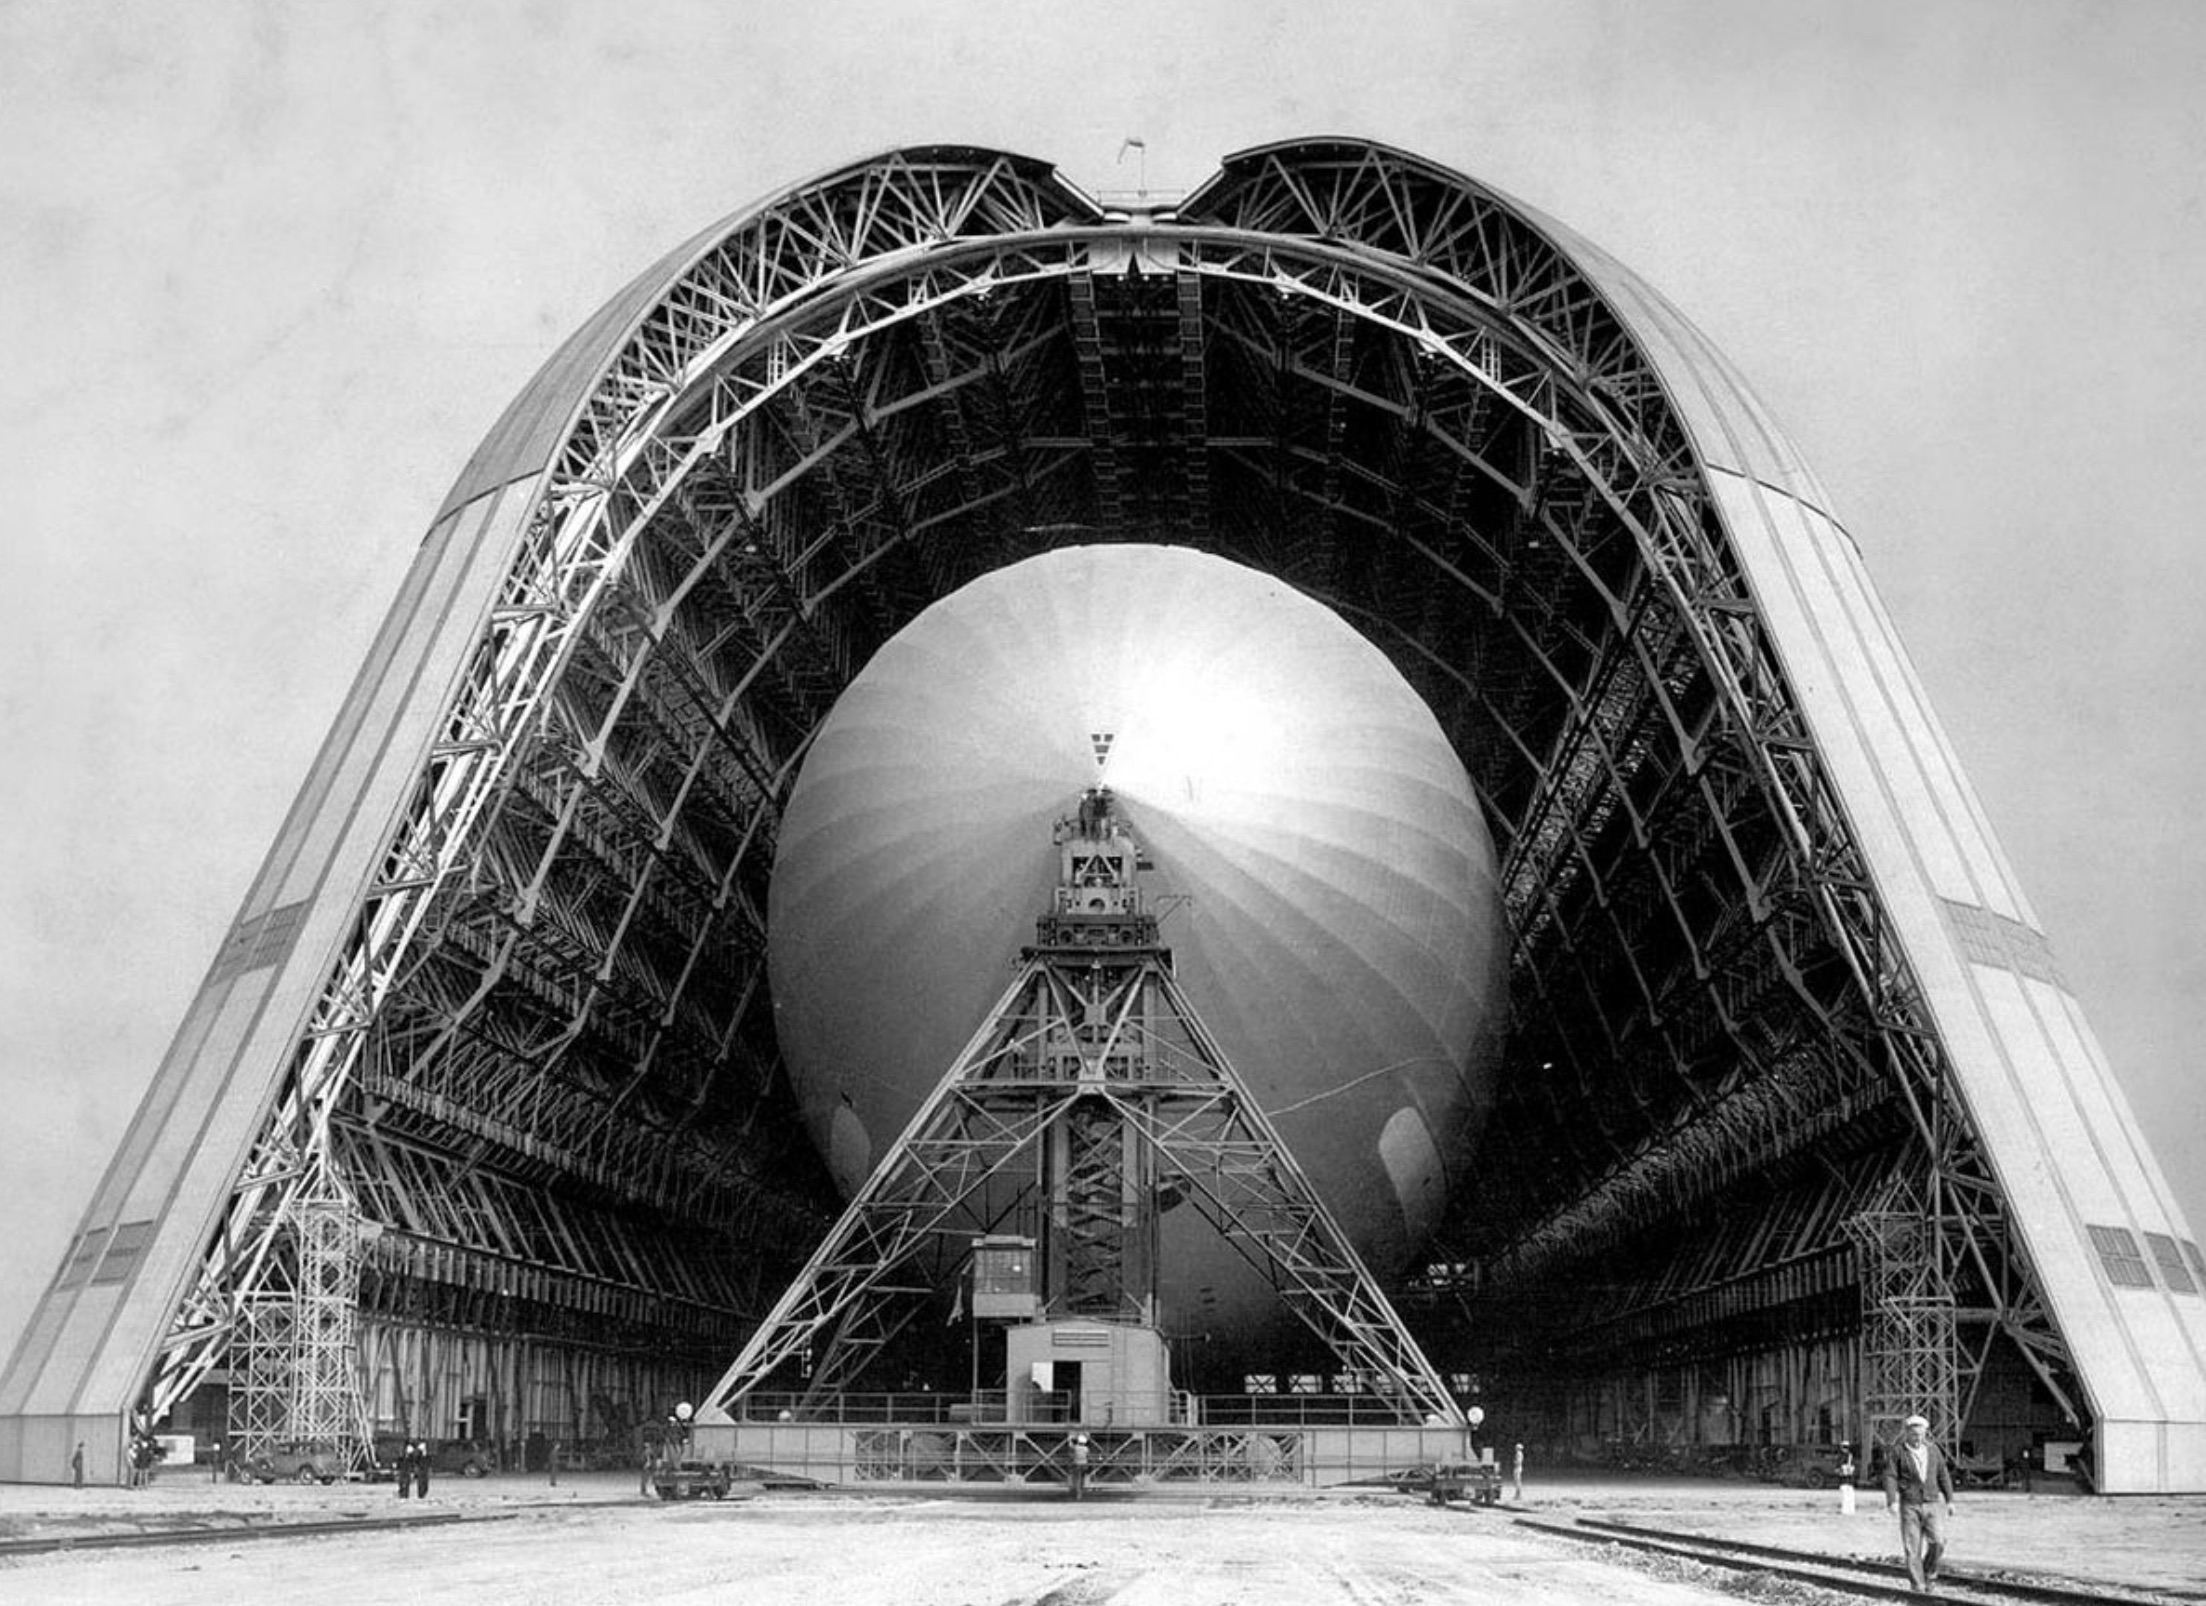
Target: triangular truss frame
[1079, 1023]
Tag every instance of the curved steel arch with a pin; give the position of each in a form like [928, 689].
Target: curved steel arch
[1509, 462]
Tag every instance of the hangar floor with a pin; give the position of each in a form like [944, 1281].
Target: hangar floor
[591, 1539]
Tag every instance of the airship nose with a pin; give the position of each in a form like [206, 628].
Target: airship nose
[1334, 914]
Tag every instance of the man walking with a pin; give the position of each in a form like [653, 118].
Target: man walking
[1918, 1482]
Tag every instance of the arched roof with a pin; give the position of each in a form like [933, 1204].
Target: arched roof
[530, 431]
[1768, 962]
[1730, 427]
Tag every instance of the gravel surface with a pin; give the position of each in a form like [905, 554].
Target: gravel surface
[591, 1539]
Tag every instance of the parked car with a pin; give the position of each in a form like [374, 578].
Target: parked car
[296, 1463]
[466, 1458]
[1812, 1466]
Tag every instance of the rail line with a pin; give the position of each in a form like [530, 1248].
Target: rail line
[47, 1544]
[224, 1533]
[1872, 1580]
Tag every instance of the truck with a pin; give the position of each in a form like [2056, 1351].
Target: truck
[1479, 1481]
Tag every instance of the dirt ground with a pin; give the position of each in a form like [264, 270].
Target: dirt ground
[2145, 1542]
[592, 1540]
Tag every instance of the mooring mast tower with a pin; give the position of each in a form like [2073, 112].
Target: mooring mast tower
[1091, 1101]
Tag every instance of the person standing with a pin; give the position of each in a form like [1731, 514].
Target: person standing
[1918, 1483]
[421, 1470]
[76, 1465]
[404, 1464]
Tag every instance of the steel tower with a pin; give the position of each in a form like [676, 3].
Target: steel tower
[1090, 1101]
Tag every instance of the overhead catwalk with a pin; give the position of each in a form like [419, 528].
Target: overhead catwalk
[1795, 1125]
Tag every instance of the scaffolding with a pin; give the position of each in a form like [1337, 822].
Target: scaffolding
[294, 1352]
[1908, 1327]
[261, 1350]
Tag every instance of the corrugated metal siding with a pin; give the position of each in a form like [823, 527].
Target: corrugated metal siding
[534, 423]
[91, 1342]
[2059, 1132]
[36, 1449]
[2062, 1141]
[1728, 423]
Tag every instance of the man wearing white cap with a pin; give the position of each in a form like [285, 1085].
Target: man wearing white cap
[1916, 1480]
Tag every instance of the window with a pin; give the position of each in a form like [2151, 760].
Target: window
[2125, 1267]
[2169, 1259]
[82, 1259]
[259, 942]
[123, 1249]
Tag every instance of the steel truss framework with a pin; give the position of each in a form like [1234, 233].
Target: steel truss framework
[263, 1372]
[1334, 362]
[1097, 1034]
[1012, 1455]
[295, 1359]
[1909, 1354]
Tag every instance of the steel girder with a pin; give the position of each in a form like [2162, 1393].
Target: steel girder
[972, 1158]
[1336, 362]
[1012, 1455]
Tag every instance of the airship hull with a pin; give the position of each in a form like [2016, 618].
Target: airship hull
[1333, 912]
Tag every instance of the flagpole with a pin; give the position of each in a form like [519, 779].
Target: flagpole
[1141, 163]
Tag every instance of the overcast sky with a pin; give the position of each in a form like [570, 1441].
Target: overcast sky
[267, 274]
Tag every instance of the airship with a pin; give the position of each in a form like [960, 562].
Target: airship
[1333, 907]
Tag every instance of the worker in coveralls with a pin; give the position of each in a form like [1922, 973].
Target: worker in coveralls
[1920, 1485]
[1079, 1464]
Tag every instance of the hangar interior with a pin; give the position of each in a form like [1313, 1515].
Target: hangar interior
[479, 1127]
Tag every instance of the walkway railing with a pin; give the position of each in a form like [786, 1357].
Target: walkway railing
[991, 1407]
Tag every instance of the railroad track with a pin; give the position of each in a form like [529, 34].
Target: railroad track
[223, 1533]
[1872, 1580]
[232, 1532]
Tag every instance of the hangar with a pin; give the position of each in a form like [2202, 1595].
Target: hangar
[480, 1124]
